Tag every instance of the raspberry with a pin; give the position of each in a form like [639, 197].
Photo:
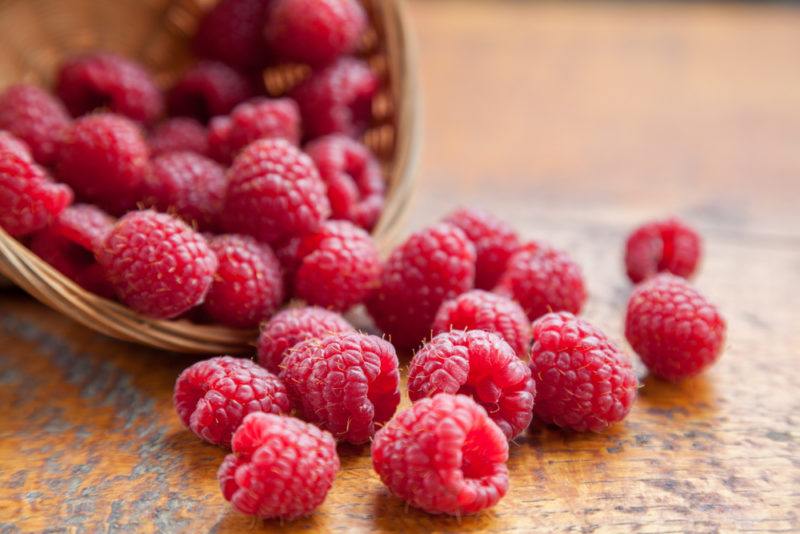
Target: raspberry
[337, 99]
[84, 225]
[675, 330]
[274, 192]
[104, 81]
[293, 326]
[281, 467]
[252, 120]
[356, 185]
[247, 286]
[433, 265]
[481, 310]
[543, 279]
[29, 200]
[157, 264]
[206, 90]
[35, 117]
[10, 143]
[443, 455]
[583, 381]
[344, 383]
[188, 184]
[315, 31]
[658, 246]
[213, 396]
[232, 32]
[495, 242]
[105, 159]
[179, 135]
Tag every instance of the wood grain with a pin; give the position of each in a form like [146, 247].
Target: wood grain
[574, 122]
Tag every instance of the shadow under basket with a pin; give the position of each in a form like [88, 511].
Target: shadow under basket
[35, 35]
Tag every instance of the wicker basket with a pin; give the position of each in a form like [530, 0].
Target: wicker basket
[36, 34]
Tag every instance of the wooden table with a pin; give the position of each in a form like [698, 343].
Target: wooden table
[574, 122]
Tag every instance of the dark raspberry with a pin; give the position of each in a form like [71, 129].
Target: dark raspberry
[213, 396]
[11, 143]
[206, 90]
[344, 383]
[293, 326]
[105, 159]
[337, 99]
[108, 82]
[675, 330]
[281, 467]
[247, 286]
[179, 135]
[583, 381]
[443, 455]
[274, 192]
[157, 264]
[233, 32]
[658, 246]
[84, 225]
[36, 117]
[433, 265]
[356, 185]
[481, 310]
[315, 31]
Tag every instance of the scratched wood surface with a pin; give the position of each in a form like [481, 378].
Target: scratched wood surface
[574, 122]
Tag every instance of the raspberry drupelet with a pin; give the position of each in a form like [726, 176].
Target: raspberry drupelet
[85, 225]
[233, 32]
[11, 143]
[666, 245]
[208, 89]
[180, 134]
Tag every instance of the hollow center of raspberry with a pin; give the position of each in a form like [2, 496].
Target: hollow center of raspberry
[474, 453]
[96, 100]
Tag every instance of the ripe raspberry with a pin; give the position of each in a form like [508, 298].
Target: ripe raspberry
[29, 200]
[104, 81]
[315, 31]
[356, 185]
[188, 184]
[11, 143]
[232, 32]
[281, 467]
[293, 326]
[443, 455]
[583, 381]
[433, 265]
[658, 246]
[206, 90]
[675, 330]
[344, 383]
[179, 135]
[36, 117]
[105, 159]
[213, 396]
[255, 119]
[274, 192]
[481, 310]
[247, 286]
[495, 242]
[157, 264]
[337, 99]
[543, 279]
[84, 225]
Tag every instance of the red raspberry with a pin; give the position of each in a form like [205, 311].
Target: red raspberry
[232, 32]
[481, 310]
[11, 143]
[543, 279]
[213, 396]
[315, 31]
[274, 192]
[179, 135]
[105, 159]
[281, 467]
[443, 455]
[337, 99]
[104, 81]
[583, 381]
[659, 246]
[356, 185]
[206, 90]
[675, 330]
[29, 200]
[344, 383]
[495, 242]
[188, 184]
[84, 225]
[35, 117]
[433, 265]
[157, 264]
[255, 119]
[293, 326]
[247, 286]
